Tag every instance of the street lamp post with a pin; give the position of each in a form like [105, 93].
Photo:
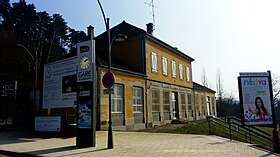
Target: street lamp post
[35, 60]
[118, 37]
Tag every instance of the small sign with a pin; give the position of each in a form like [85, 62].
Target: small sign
[48, 123]
[84, 93]
[8, 91]
[108, 80]
[108, 91]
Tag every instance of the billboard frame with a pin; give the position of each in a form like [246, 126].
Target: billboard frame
[254, 75]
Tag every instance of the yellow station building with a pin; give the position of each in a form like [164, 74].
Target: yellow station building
[153, 83]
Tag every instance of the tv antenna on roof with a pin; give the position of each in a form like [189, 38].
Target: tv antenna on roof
[151, 4]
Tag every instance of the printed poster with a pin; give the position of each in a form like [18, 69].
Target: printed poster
[257, 102]
[84, 114]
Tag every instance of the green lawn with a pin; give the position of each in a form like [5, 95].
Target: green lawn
[201, 129]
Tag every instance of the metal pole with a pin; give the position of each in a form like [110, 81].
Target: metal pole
[110, 130]
[36, 82]
[35, 60]
[230, 137]
[209, 125]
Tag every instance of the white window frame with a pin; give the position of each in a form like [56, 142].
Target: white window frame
[116, 97]
[154, 62]
[173, 67]
[181, 72]
[164, 66]
[155, 100]
[137, 100]
[188, 73]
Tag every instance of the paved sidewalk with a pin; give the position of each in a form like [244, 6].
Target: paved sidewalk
[131, 144]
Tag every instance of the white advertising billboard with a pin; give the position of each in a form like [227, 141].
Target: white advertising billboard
[59, 89]
[256, 98]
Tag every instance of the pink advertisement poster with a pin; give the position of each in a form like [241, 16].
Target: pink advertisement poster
[256, 99]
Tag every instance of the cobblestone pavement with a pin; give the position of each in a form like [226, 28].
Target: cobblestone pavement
[131, 144]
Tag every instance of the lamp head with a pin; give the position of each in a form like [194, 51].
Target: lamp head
[120, 37]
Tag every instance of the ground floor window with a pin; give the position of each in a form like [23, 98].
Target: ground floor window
[137, 100]
[208, 105]
[156, 105]
[213, 105]
[190, 106]
[183, 104]
[166, 104]
[197, 104]
[202, 97]
[155, 100]
[117, 99]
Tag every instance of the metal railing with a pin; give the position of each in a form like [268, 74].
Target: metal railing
[231, 127]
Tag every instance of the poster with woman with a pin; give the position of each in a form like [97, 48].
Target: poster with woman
[256, 98]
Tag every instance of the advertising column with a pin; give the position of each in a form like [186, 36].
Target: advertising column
[86, 95]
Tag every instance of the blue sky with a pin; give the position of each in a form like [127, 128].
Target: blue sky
[232, 35]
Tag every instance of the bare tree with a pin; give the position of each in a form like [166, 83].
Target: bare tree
[275, 79]
[219, 84]
[204, 78]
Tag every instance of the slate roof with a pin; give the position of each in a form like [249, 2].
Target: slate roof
[131, 32]
[197, 86]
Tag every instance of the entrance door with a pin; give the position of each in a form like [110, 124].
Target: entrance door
[175, 106]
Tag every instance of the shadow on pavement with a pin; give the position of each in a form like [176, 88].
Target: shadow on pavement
[63, 149]
[12, 137]
[14, 154]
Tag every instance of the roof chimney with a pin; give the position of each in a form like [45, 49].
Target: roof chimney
[90, 32]
[150, 28]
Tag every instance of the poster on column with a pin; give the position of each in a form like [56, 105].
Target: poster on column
[84, 114]
[256, 98]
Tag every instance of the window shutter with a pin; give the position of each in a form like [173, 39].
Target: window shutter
[154, 61]
[188, 73]
[181, 71]
[164, 65]
[173, 69]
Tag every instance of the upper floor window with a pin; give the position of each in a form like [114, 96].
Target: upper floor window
[188, 74]
[154, 62]
[164, 65]
[181, 71]
[173, 68]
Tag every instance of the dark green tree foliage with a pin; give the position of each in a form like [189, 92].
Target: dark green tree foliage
[76, 37]
[228, 106]
[5, 8]
[45, 36]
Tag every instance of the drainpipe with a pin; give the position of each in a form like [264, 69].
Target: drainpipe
[194, 103]
[146, 97]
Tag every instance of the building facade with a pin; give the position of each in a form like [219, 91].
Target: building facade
[153, 83]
